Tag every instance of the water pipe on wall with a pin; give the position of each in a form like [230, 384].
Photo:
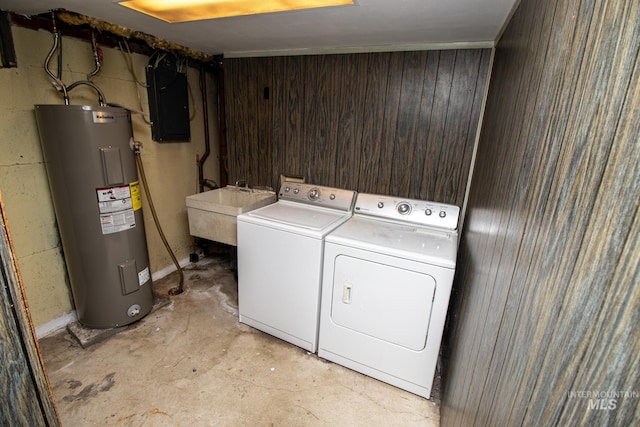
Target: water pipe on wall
[57, 79]
[222, 120]
[207, 142]
[97, 56]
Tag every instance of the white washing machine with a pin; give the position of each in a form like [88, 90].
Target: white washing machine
[280, 249]
[387, 277]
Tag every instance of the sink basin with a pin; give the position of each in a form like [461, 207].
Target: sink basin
[212, 214]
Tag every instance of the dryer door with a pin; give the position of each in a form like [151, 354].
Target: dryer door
[382, 301]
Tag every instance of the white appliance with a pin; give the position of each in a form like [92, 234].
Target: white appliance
[280, 249]
[386, 284]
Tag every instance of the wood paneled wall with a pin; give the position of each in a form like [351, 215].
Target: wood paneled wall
[546, 305]
[401, 123]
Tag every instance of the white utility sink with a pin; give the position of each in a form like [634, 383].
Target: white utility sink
[212, 214]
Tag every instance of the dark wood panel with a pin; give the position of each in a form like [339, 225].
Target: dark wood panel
[546, 297]
[294, 120]
[496, 295]
[278, 126]
[370, 122]
[436, 132]
[494, 243]
[351, 88]
[263, 151]
[407, 152]
[465, 96]
[421, 157]
[238, 107]
[251, 144]
[373, 110]
[389, 124]
[319, 114]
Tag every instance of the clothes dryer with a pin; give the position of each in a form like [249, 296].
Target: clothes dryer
[387, 277]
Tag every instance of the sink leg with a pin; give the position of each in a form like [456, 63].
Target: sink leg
[234, 261]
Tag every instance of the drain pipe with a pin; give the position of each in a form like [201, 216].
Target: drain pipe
[207, 141]
[136, 146]
[224, 178]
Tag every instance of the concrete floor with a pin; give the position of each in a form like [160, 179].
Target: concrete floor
[190, 363]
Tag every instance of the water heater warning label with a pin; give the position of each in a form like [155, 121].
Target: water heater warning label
[116, 209]
[136, 197]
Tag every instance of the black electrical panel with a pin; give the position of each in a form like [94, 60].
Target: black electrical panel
[168, 98]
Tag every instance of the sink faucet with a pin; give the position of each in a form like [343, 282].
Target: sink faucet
[245, 185]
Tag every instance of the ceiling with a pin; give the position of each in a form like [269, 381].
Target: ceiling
[371, 25]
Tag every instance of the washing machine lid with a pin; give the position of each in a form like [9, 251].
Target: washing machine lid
[292, 215]
[421, 244]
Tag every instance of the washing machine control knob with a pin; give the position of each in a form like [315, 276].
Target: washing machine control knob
[296, 190]
[404, 208]
[428, 212]
[287, 189]
[332, 196]
[380, 205]
[314, 193]
[443, 214]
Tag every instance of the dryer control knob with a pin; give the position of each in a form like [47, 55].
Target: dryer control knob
[287, 189]
[428, 212]
[332, 196]
[296, 191]
[443, 214]
[404, 208]
[380, 205]
[314, 194]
